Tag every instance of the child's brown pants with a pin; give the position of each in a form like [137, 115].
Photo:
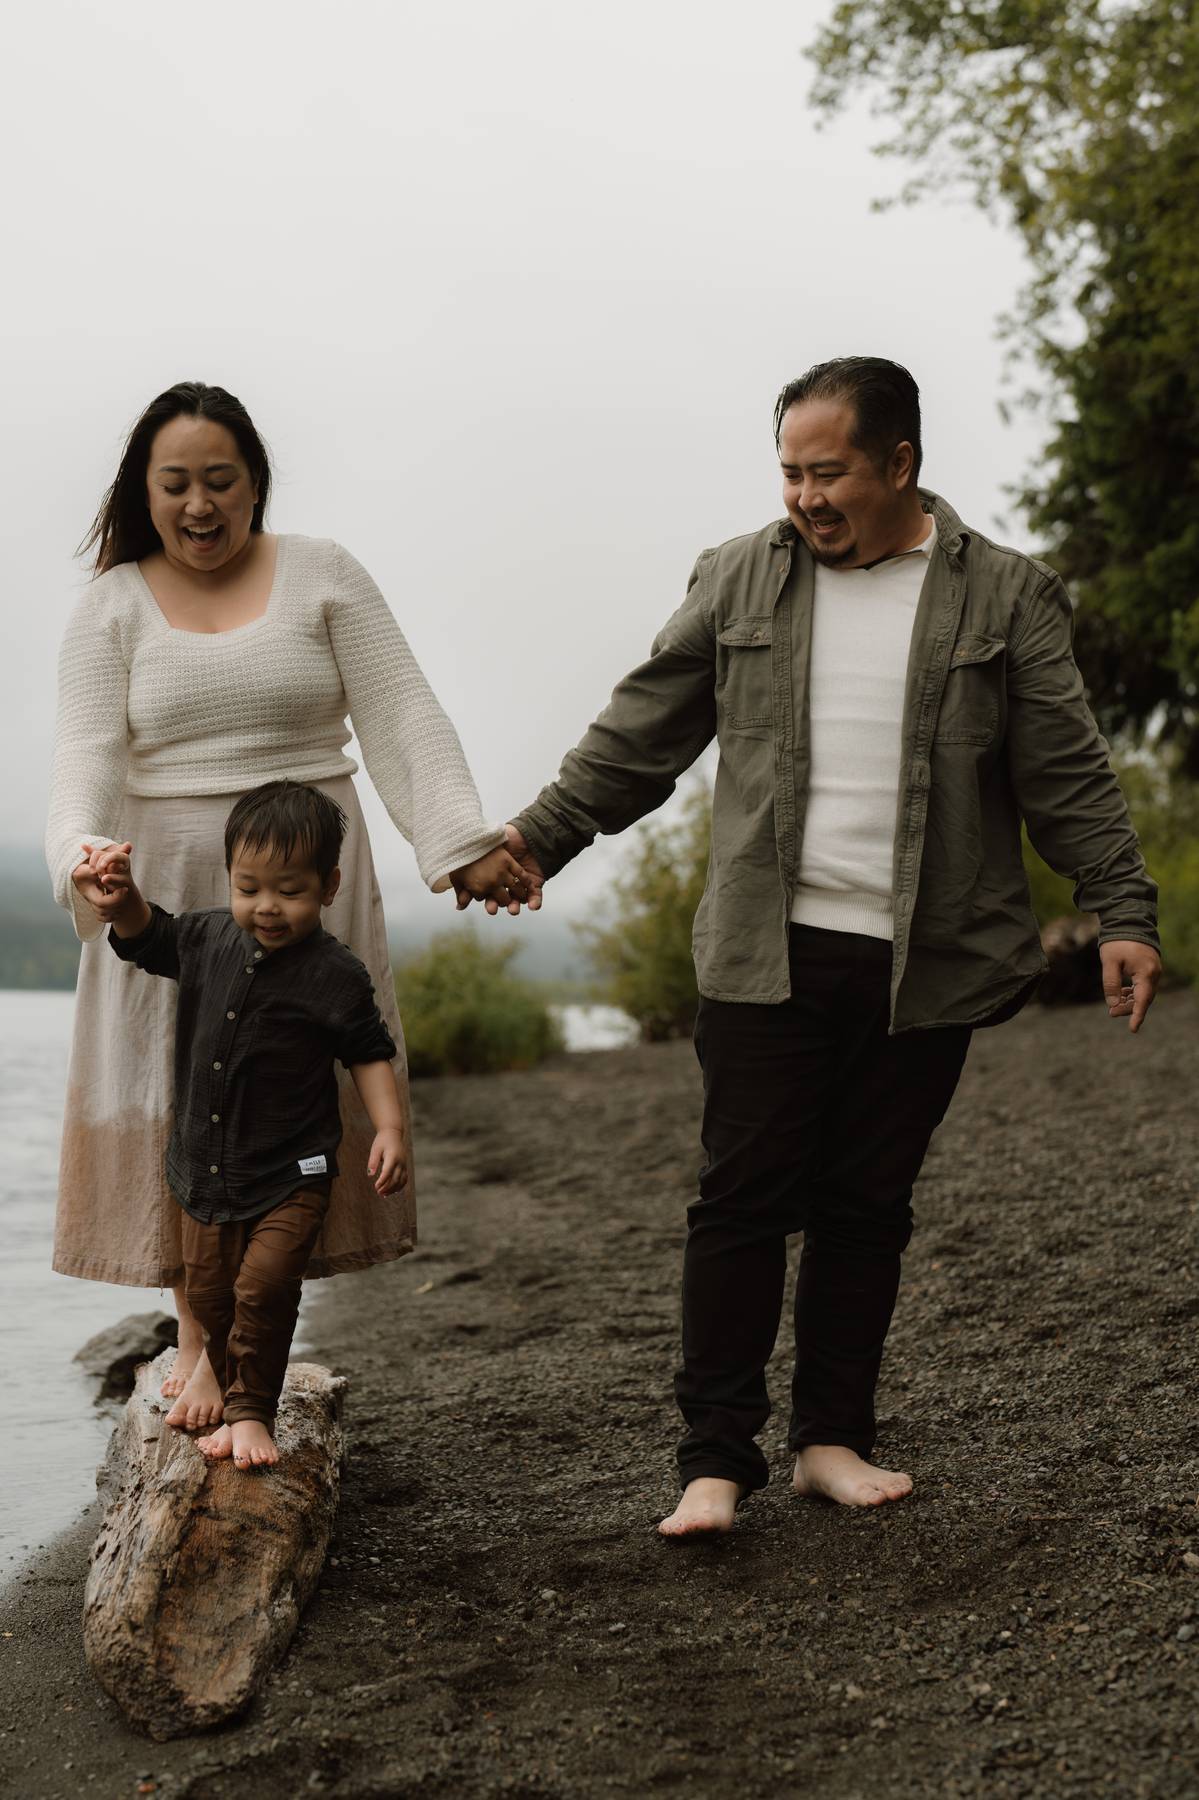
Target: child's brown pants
[243, 1284]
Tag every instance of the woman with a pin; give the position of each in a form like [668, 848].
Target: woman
[207, 657]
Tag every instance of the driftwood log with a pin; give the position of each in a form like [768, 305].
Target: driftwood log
[200, 1571]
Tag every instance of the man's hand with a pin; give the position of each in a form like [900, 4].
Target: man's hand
[534, 875]
[1131, 973]
[507, 876]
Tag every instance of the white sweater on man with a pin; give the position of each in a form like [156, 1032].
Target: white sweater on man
[861, 635]
[147, 709]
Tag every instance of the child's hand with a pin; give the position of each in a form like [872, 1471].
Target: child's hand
[105, 879]
[388, 1160]
[498, 880]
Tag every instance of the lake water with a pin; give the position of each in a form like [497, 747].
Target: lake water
[53, 1434]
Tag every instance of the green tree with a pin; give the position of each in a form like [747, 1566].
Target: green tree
[464, 1013]
[644, 952]
[1080, 119]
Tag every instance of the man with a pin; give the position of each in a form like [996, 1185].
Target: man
[891, 693]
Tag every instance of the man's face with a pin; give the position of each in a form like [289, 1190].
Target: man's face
[847, 509]
[277, 902]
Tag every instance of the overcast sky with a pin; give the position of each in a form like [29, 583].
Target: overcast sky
[508, 289]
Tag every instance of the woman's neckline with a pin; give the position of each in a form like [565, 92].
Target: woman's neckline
[231, 630]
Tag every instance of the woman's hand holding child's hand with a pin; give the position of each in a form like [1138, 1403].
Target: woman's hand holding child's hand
[388, 1160]
[106, 882]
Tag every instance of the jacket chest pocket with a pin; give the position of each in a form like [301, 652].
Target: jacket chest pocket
[974, 688]
[743, 674]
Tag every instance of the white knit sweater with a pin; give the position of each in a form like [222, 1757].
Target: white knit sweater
[147, 709]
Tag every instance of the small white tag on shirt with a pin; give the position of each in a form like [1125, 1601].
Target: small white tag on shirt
[313, 1165]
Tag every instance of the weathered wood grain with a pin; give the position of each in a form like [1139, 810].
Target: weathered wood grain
[200, 1571]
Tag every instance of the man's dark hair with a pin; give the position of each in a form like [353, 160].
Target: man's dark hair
[122, 530]
[884, 397]
[286, 816]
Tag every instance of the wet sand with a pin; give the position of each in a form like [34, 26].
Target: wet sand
[501, 1617]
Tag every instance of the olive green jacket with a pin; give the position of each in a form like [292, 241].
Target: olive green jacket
[996, 728]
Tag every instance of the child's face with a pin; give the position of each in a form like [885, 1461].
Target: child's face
[277, 902]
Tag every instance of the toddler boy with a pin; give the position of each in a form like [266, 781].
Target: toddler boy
[267, 1002]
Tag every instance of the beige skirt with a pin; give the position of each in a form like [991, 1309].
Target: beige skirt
[117, 1219]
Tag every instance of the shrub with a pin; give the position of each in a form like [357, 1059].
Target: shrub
[1165, 810]
[465, 1014]
[645, 952]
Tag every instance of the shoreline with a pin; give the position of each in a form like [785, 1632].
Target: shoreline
[498, 1615]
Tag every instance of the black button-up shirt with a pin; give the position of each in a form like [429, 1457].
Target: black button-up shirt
[256, 1035]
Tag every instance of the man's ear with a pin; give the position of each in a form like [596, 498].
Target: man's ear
[331, 887]
[903, 463]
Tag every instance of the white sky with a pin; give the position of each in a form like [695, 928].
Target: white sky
[508, 289]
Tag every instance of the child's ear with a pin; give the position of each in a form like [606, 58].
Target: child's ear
[331, 887]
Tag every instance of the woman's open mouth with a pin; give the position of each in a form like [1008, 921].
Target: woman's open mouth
[204, 537]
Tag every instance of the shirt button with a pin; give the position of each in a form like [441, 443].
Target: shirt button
[216, 1065]
[216, 1118]
[213, 1169]
[258, 956]
[249, 968]
[231, 1015]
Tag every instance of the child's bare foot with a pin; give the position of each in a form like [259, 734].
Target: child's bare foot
[708, 1505]
[219, 1443]
[836, 1473]
[191, 1349]
[201, 1402]
[253, 1445]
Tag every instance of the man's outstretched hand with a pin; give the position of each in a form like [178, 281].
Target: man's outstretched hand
[1131, 973]
[507, 877]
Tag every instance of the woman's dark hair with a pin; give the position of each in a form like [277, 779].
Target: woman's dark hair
[286, 816]
[121, 530]
[884, 397]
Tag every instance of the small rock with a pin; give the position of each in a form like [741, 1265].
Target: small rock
[549, 1593]
[1190, 1560]
[616, 1628]
[853, 1692]
[113, 1355]
[1185, 1633]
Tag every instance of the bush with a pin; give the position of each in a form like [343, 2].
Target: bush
[464, 1014]
[645, 953]
[1165, 810]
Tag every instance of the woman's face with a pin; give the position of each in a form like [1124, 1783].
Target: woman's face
[200, 494]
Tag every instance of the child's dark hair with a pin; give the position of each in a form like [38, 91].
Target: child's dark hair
[285, 816]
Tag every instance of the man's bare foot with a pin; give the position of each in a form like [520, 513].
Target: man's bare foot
[201, 1402]
[835, 1473]
[219, 1443]
[253, 1445]
[708, 1504]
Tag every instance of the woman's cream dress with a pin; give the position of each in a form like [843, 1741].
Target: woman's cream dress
[159, 732]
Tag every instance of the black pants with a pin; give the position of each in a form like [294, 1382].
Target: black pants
[815, 1121]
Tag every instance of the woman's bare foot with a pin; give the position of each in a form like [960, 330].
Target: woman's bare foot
[218, 1444]
[708, 1504]
[188, 1354]
[253, 1445]
[835, 1473]
[201, 1402]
